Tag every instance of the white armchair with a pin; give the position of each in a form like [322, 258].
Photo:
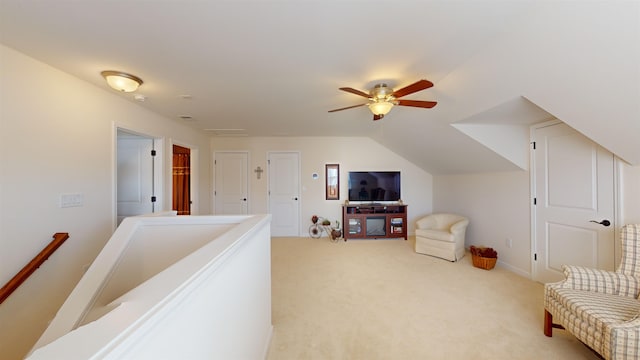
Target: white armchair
[441, 235]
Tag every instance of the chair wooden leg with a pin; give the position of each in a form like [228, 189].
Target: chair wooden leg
[548, 323]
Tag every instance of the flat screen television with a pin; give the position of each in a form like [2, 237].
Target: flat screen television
[374, 186]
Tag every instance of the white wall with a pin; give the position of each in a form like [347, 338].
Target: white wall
[498, 206]
[630, 194]
[352, 153]
[57, 136]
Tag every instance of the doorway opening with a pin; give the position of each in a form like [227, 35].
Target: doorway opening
[137, 174]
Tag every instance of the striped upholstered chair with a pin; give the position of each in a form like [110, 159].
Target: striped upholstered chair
[600, 308]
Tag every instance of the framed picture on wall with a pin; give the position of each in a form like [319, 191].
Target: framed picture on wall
[332, 178]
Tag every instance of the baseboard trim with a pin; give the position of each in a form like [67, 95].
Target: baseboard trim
[267, 347]
[513, 269]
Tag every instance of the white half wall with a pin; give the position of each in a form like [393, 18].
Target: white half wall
[211, 299]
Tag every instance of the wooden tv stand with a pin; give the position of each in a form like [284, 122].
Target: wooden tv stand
[374, 221]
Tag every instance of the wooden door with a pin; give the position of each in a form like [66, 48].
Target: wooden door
[181, 172]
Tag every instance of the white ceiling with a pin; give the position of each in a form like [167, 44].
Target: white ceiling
[273, 68]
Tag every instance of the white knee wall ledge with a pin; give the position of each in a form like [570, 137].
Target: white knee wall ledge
[180, 287]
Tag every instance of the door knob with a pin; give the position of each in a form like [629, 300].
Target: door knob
[245, 199]
[604, 222]
[295, 198]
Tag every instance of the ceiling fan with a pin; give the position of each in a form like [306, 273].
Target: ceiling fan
[382, 98]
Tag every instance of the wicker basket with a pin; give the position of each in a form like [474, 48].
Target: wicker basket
[483, 262]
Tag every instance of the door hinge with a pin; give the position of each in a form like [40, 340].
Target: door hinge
[534, 145]
[153, 153]
[153, 199]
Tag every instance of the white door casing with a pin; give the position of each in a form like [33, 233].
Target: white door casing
[231, 182]
[284, 193]
[573, 189]
[135, 176]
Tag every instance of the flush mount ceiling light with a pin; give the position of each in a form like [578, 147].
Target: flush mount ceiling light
[122, 81]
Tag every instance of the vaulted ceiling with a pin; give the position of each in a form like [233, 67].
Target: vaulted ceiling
[273, 68]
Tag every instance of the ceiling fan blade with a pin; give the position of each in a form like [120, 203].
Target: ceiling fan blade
[417, 103]
[348, 107]
[377, 117]
[415, 87]
[355, 91]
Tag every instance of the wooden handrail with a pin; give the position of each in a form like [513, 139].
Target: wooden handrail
[22, 275]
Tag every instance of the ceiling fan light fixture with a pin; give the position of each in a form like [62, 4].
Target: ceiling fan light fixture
[380, 107]
[121, 81]
[381, 99]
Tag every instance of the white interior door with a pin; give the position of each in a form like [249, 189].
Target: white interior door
[134, 175]
[284, 193]
[573, 186]
[231, 187]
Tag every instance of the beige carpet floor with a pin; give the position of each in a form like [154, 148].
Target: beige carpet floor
[378, 299]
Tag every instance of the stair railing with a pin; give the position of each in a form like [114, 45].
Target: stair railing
[33, 265]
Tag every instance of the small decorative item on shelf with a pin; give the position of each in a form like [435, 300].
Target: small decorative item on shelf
[483, 257]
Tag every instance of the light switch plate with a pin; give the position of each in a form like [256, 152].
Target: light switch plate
[71, 200]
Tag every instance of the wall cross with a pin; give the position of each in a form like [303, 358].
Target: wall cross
[258, 171]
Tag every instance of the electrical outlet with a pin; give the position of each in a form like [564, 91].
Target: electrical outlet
[509, 243]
